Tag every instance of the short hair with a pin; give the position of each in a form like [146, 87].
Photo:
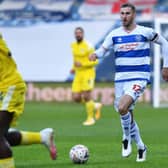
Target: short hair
[79, 28]
[128, 5]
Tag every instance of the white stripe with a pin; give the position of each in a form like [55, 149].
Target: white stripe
[131, 75]
[7, 98]
[133, 61]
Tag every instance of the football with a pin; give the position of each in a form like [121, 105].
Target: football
[79, 154]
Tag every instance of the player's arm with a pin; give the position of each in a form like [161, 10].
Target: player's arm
[100, 52]
[89, 63]
[164, 47]
[72, 70]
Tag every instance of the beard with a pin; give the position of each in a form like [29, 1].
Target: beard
[127, 23]
[79, 39]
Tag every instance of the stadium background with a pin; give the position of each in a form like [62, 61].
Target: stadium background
[43, 30]
[39, 33]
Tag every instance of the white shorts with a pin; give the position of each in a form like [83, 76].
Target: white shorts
[132, 88]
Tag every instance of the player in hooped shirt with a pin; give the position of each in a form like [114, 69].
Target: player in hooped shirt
[131, 44]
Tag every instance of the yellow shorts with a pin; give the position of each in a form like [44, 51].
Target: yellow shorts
[83, 82]
[12, 99]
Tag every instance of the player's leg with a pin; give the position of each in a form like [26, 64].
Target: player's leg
[135, 89]
[135, 135]
[77, 97]
[98, 106]
[122, 106]
[90, 106]
[45, 136]
[125, 117]
[13, 101]
[6, 157]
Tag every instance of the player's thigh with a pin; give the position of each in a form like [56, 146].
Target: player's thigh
[135, 88]
[12, 100]
[87, 95]
[118, 94]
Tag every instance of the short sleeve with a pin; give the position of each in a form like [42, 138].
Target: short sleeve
[152, 35]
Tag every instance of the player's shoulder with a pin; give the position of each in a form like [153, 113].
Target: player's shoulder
[88, 43]
[144, 28]
[147, 32]
[73, 43]
[116, 31]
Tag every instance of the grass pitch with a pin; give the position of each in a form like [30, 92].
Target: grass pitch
[103, 139]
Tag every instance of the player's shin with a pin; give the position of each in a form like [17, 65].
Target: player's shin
[90, 113]
[90, 109]
[30, 138]
[135, 135]
[126, 125]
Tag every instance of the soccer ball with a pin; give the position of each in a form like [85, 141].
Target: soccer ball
[79, 154]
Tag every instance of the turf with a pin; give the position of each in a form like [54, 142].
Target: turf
[103, 139]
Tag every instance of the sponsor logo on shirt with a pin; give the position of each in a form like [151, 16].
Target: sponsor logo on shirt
[127, 47]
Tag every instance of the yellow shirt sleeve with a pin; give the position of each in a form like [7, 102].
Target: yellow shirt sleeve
[81, 54]
[89, 63]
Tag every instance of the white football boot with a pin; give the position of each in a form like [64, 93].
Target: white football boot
[89, 121]
[47, 135]
[126, 148]
[141, 155]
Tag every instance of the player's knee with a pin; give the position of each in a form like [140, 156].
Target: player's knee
[86, 98]
[77, 98]
[122, 109]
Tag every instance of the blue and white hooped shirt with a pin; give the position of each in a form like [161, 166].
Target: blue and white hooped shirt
[132, 52]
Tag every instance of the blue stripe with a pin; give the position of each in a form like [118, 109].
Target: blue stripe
[125, 117]
[131, 132]
[132, 68]
[133, 53]
[132, 79]
[132, 125]
[129, 39]
[132, 136]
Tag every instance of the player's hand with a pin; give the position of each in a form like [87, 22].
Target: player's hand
[77, 64]
[165, 74]
[93, 57]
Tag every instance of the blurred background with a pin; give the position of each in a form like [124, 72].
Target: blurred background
[40, 32]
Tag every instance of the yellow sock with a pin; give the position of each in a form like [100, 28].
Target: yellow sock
[90, 109]
[29, 138]
[7, 163]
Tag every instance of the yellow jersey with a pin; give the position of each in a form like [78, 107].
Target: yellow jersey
[9, 74]
[81, 52]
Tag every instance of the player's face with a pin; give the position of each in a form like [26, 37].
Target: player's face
[78, 35]
[127, 16]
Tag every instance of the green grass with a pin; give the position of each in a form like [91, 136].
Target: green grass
[103, 139]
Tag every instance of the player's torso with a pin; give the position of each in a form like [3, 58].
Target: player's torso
[132, 54]
[81, 52]
[125, 42]
[8, 69]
